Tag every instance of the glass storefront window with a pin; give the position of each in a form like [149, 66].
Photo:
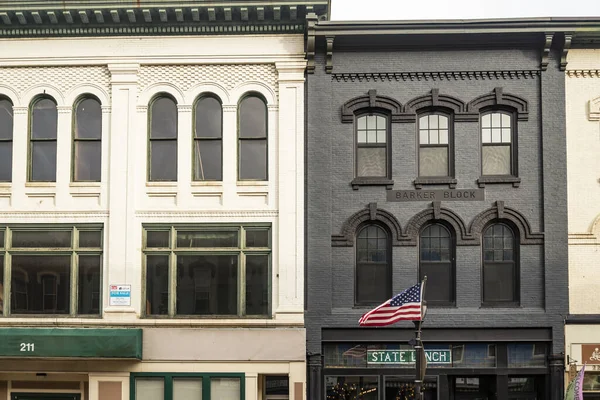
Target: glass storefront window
[187, 386]
[352, 387]
[591, 382]
[474, 355]
[524, 355]
[403, 388]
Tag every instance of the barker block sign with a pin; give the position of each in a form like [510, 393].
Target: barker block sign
[590, 353]
[119, 295]
[436, 195]
[432, 356]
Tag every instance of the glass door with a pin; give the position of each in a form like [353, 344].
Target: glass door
[473, 388]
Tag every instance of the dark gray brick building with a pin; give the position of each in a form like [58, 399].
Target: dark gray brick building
[437, 149]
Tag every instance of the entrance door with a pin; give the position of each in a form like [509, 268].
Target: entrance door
[473, 388]
[45, 396]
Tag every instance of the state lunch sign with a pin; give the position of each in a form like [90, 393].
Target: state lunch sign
[432, 356]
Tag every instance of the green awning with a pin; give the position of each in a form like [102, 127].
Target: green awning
[71, 342]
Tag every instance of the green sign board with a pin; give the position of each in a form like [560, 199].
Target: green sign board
[441, 356]
[70, 342]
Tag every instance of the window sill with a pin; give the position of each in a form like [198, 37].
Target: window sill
[40, 184]
[364, 181]
[442, 180]
[498, 179]
[253, 183]
[508, 304]
[84, 188]
[161, 188]
[206, 183]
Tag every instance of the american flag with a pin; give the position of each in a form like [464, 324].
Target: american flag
[359, 351]
[406, 306]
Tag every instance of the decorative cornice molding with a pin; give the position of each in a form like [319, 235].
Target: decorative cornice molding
[433, 76]
[208, 214]
[53, 19]
[53, 214]
[311, 40]
[437, 213]
[583, 73]
[20, 110]
[565, 51]
[184, 108]
[435, 99]
[546, 50]
[499, 98]
[370, 213]
[500, 212]
[594, 109]
[329, 56]
[370, 101]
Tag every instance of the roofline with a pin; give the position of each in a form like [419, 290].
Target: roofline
[461, 26]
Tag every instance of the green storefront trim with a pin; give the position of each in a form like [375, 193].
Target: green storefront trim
[168, 380]
[71, 343]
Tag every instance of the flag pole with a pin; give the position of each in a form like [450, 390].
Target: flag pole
[421, 362]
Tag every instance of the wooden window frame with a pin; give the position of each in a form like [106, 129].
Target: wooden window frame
[388, 288]
[242, 139]
[151, 139]
[516, 300]
[200, 139]
[76, 140]
[169, 377]
[241, 251]
[74, 251]
[31, 140]
[451, 264]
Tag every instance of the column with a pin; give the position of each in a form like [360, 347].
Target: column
[20, 157]
[121, 239]
[105, 386]
[251, 386]
[63, 157]
[290, 155]
[315, 382]
[184, 155]
[557, 376]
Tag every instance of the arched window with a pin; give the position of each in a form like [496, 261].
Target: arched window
[500, 265]
[208, 139]
[372, 146]
[252, 137]
[435, 145]
[498, 144]
[87, 140]
[6, 139]
[42, 140]
[373, 265]
[436, 260]
[162, 149]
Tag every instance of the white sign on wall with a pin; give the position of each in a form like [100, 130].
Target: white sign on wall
[119, 295]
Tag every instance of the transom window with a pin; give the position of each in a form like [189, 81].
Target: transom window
[187, 386]
[437, 262]
[87, 140]
[496, 139]
[208, 270]
[373, 265]
[371, 146]
[208, 139]
[42, 140]
[6, 139]
[500, 267]
[162, 149]
[53, 270]
[434, 145]
[252, 138]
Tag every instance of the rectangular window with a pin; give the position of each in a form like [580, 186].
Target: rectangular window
[187, 386]
[54, 270]
[207, 270]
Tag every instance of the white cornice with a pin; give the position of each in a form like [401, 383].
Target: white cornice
[583, 73]
[207, 213]
[53, 214]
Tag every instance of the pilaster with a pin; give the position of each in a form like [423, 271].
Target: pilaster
[290, 153]
[184, 153]
[122, 263]
[63, 156]
[19, 164]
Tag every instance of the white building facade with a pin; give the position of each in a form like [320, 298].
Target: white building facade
[582, 330]
[151, 203]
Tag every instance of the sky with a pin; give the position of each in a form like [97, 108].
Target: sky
[460, 9]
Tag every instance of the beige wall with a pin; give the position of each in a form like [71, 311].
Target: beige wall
[583, 162]
[224, 344]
